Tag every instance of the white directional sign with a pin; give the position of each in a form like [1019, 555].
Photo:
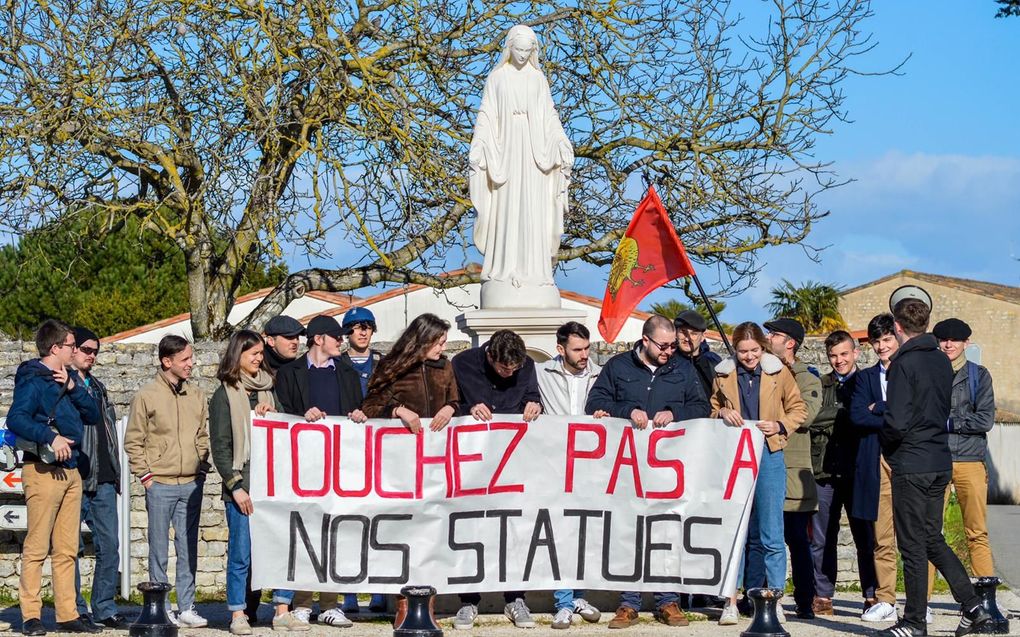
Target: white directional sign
[13, 517]
[10, 481]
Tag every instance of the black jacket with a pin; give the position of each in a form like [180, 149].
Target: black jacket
[292, 386]
[478, 383]
[88, 462]
[626, 384]
[915, 438]
[704, 365]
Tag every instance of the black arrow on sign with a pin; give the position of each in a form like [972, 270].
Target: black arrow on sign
[10, 516]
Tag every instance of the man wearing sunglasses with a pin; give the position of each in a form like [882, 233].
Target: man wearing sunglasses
[99, 466]
[51, 410]
[648, 385]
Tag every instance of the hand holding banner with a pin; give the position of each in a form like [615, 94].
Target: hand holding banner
[560, 502]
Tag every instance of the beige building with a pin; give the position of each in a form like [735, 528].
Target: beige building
[991, 310]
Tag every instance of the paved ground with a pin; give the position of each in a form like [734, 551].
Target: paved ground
[846, 621]
[1004, 534]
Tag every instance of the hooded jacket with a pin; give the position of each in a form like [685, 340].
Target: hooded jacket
[626, 384]
[554, 385]
[915, 438]
[36, 395]
[779, 397]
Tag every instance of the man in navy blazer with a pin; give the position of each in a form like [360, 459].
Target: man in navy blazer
[872, 498]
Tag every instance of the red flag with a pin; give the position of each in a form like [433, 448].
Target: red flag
[649, 255]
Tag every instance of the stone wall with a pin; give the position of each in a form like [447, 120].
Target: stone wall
[125, 368]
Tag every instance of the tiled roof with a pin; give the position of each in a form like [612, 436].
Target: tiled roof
[1007, 293]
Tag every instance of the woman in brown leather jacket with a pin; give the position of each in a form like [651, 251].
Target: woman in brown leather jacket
[415, 380]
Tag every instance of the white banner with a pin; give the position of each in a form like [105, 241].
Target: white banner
[561, 502]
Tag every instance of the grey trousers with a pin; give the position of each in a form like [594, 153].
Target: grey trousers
[180, 505]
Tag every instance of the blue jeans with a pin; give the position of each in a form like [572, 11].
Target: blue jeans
[99, 512]
[564, 597]
[632, 599]
[766, 547]
[239, 561]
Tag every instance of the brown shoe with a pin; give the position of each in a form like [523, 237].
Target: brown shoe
[625, 618]
[671, 615]
[822, 606]
[401, 611]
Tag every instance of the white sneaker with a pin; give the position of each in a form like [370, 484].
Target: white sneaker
[780, 614]
[562, 618]
[519, 613]
[729, 615]
[191, 619]
[172, 616]
[929, 617]
[302, 614]
[465, 617]
[335, 617]
[292, 621]
[880, 612]
[587, 612]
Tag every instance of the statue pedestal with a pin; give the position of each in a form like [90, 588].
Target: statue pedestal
[503, 295]
[537, 326]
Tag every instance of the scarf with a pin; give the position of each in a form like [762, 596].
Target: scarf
[960, 361]
[240, 411]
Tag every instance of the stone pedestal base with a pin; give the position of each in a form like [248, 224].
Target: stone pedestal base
[536, 326]
[504, 295]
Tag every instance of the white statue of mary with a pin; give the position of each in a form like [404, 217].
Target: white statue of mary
[520, 168]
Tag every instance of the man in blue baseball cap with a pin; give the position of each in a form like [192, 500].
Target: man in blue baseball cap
[359, 326]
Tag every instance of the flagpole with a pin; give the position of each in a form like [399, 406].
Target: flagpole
[715, 318]
[704, 297]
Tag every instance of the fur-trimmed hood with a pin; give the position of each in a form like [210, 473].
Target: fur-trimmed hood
[770, 364]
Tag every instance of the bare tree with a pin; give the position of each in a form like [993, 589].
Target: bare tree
[241, 127]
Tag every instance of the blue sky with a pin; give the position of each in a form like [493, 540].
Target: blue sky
[935, 153]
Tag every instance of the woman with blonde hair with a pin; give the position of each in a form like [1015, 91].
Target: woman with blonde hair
[754, 385]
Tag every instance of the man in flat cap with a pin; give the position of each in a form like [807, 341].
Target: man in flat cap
[691, 344]
[971, 415]
[282, 335]
[786, 335]
[315, 385]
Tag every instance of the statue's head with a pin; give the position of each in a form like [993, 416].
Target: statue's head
[520, 48]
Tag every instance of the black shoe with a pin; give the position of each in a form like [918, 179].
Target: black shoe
[78, 626]
[86, 618]
[805, 613]
[744, 607]
[972, 620]
[115, 621]
[33, 627]
[903, 629]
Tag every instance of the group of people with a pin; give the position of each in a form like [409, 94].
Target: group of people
[883, 443]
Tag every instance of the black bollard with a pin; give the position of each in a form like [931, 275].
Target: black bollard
[153, 622]
[765, 622]
[985, 588]
[419, 621]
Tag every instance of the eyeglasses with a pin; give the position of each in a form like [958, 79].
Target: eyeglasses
[89, 351]
[71, 344]
[665, 347]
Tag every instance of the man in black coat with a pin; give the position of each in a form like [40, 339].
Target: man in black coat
[282, 335]
[497, 378]
[915, 441]
[315, 385]
[690, 340]
[648, 385]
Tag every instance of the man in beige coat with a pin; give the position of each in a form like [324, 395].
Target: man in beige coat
[167, 446]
